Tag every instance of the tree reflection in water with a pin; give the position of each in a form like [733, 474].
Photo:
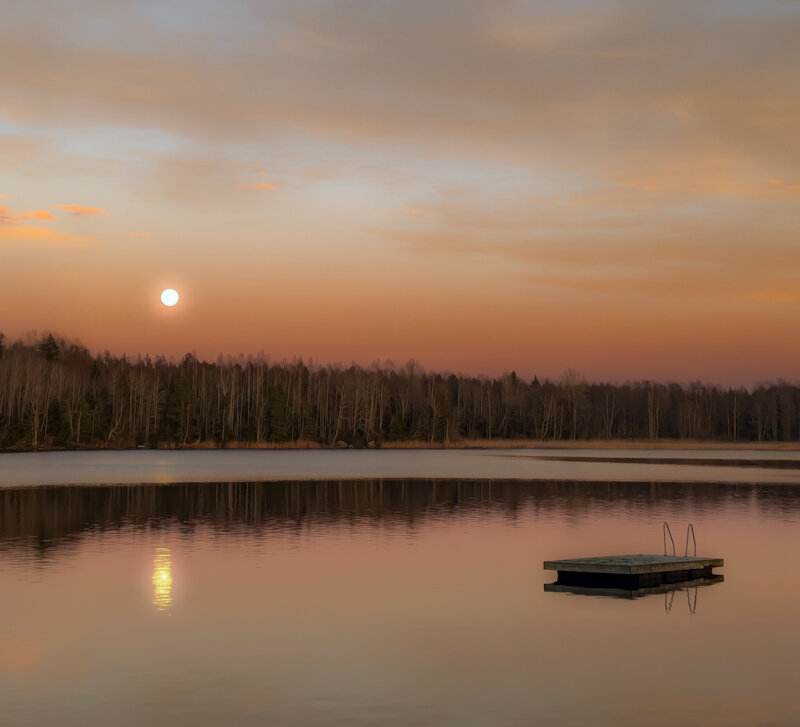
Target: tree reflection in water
[51, 519]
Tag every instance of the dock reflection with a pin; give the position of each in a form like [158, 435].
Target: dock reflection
[630, 593]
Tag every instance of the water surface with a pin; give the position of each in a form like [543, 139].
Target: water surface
[389, 603]
[162, 466]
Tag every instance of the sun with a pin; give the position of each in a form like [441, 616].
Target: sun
[169, 297]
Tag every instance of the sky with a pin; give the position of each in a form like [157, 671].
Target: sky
[611, 187]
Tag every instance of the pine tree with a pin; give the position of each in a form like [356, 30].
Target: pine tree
[50, 348]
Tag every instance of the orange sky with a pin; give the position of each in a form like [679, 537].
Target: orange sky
[608, 186]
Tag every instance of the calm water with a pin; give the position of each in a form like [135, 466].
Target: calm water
[163, 466]
[390, 603]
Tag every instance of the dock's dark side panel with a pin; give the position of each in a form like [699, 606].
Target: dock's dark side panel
[643, 580]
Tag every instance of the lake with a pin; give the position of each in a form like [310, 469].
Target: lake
[394, 600]
[253, 465]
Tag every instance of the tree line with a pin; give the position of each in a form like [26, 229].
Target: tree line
[56, 394]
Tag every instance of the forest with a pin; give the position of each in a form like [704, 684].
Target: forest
[55, 394]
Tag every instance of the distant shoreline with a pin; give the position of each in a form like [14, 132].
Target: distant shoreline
[603, 444]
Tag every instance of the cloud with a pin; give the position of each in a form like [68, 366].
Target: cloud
[666, 95]
[80, 211]
[144, 235]
[41, 236]
[41, 215]
[412, 212]
[257, 185]
[788, 186]
[780, 293]
[597, 77]
[7, 217]
[613, 242]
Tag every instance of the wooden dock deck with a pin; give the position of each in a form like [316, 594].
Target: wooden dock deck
[633, 571]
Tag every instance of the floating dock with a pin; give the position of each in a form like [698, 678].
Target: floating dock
[634, 572]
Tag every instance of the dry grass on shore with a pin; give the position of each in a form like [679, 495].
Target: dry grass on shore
[606, 444]
[661, 444]
[298, 444]
[664, 444]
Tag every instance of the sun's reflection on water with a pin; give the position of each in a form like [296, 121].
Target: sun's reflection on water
[162, 579]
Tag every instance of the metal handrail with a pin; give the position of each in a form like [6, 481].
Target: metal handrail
[690, 529]
[666, 531]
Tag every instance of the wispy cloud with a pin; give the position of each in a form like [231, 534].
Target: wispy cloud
[81, 211]
[8, 217]
[412, 212]
[777, 293]
[780, 183]
[41, 236]
[144, 235]
[257, 185]
[12, 229]
[40, 215]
